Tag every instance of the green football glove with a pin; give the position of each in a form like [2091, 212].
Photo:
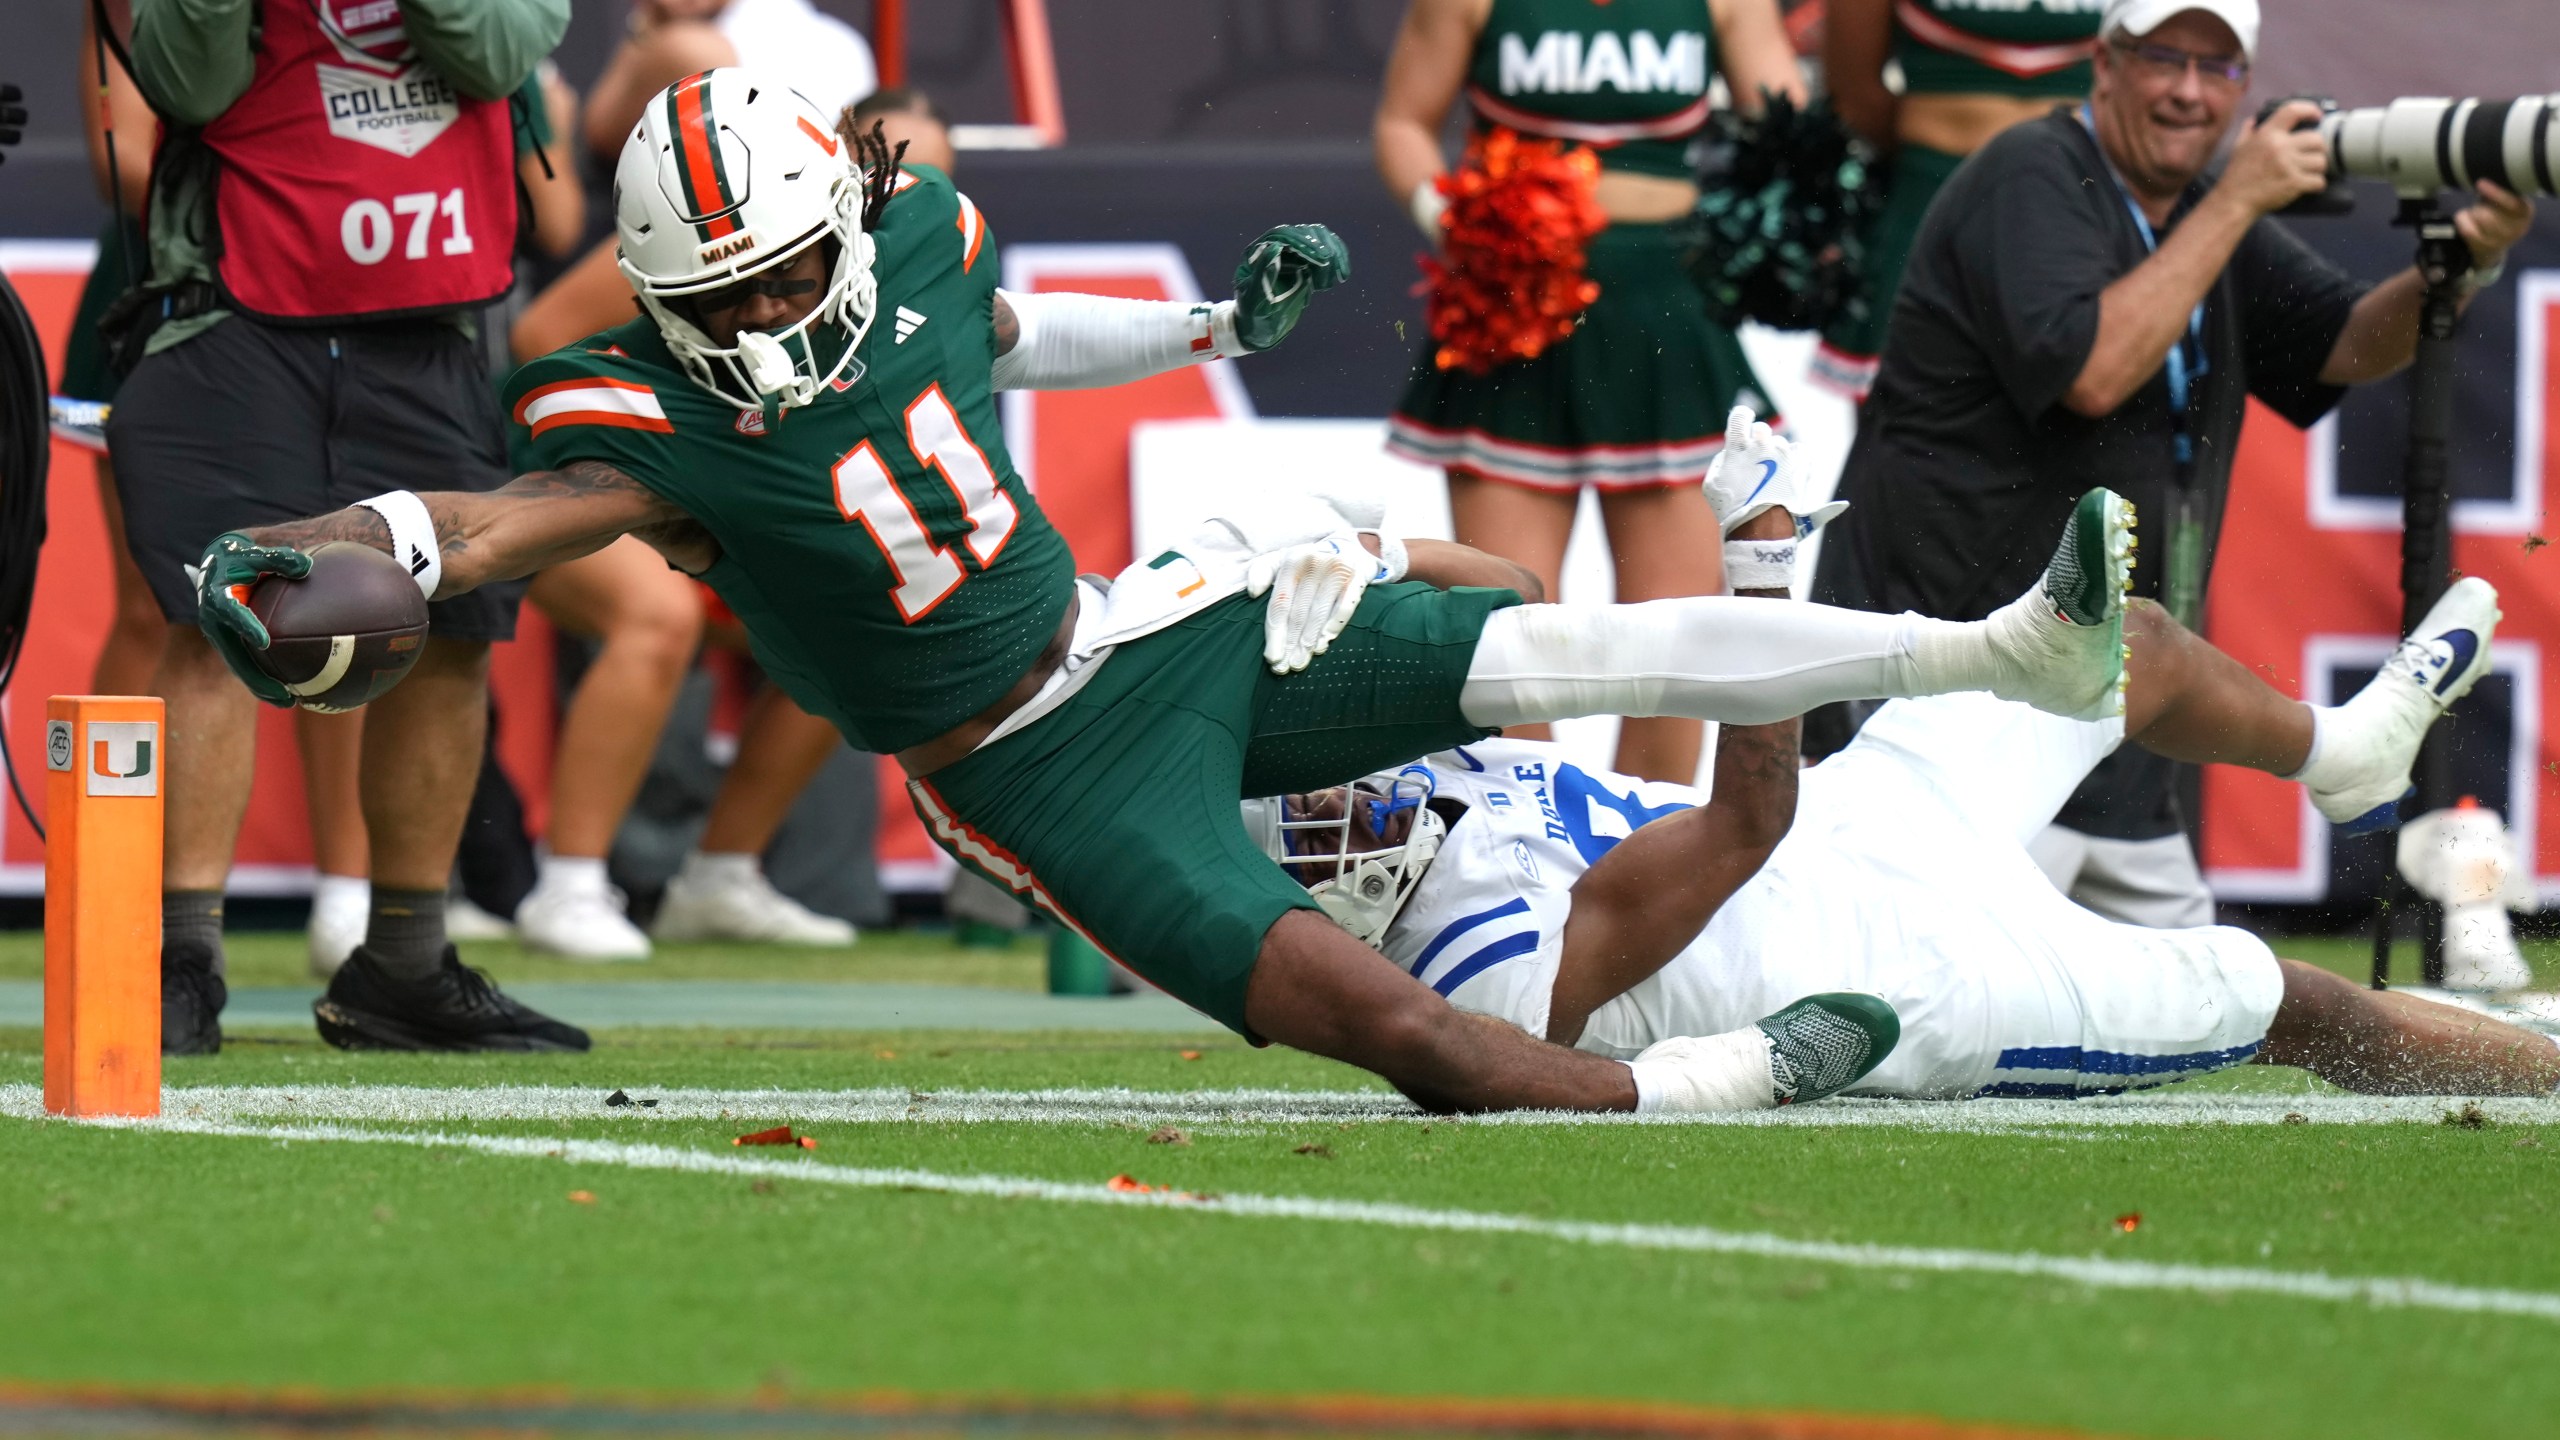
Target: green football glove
[231, 564]
[1284, 267]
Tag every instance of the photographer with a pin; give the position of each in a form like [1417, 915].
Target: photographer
[2087, 305]
[333, 196]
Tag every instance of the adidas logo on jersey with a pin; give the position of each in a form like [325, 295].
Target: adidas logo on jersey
[909, 322]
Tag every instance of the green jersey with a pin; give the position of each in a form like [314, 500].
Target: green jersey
[892, 571]
[1995, 47]
[1629, 78]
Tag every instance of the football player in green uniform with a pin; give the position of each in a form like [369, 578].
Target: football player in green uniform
[804, 417]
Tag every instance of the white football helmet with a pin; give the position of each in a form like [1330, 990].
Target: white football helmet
[728, 174]
[1357, 878]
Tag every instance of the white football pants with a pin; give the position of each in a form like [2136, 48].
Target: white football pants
[1715, 657]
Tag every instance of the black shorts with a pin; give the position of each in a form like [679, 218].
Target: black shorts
[253, 424]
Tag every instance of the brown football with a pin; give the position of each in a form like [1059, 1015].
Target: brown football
[346, 632]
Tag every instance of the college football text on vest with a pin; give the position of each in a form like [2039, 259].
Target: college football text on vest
[356, 181]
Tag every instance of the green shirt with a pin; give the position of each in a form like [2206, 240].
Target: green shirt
[892, 570]
[193, 58]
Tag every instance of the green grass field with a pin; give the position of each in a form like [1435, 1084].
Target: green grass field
[327, 1225]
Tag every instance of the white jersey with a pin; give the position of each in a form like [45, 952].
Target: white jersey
[1502, 882]
[1905, 874]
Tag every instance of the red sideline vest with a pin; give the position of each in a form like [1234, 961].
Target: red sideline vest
[357, 182]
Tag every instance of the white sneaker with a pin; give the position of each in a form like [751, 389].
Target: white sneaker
[2366, 746]
[2060, 646]
[466, 921]
[577, 922]
[341, 907]
[737, 902]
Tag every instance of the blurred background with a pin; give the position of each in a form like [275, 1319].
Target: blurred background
[1180, 130]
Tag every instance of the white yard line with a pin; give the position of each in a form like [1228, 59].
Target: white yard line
[419, 1104]
[2391, 1292]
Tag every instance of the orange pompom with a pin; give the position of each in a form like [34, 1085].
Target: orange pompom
[1509, 280]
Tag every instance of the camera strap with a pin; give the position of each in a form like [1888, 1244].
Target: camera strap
[2183, 589]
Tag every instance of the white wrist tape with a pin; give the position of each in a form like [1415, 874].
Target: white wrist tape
[1392, 560]
[1760, 564]
[413, 537]
[1070, 341]
[1425, 205]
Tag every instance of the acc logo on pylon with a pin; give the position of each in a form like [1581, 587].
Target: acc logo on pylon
[57, 744]
[124, 757]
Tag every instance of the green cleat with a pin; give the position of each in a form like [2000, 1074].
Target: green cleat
[2061, 645]
[1823, 1044]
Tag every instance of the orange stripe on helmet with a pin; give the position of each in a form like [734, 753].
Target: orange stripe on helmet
[697, 166]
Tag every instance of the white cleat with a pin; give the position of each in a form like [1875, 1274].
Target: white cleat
[579, 923]
[737, 902]
[341, 907]
[2368, 744]
[2060, 646]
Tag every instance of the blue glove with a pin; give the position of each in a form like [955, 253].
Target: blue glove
[1285, 266]
[231, 564]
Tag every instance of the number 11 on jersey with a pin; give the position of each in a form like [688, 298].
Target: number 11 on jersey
[866, 494]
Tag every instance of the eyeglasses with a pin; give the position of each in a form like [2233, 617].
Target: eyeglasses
[2169, 63]
[730, 297]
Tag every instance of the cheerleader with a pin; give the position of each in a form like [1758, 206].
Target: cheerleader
[1968, 72]
[1523, 402]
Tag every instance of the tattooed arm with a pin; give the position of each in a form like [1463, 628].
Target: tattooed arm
[1649, 897]
[530, 523]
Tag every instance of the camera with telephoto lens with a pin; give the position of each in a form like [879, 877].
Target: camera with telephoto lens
[2420, 145]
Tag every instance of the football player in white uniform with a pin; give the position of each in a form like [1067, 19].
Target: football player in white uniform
[1615, 914]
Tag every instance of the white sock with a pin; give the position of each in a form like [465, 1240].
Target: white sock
[2322, 718]
[721, 867]
[575, 873]
[2344, 737]
[1653, 1080]
[1714, 657]
[1951, 655]
[1705, 1075]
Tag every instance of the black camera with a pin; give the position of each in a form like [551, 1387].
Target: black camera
[2339, 197]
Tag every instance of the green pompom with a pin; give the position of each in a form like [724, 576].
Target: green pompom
[1776, 235]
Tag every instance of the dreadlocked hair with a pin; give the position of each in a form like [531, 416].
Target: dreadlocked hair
[879, 166]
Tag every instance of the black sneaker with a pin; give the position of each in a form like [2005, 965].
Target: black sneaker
[191, 1000]
[457, 1008]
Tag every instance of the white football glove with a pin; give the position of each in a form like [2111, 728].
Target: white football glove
[1314, 589]
[1757, 470]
